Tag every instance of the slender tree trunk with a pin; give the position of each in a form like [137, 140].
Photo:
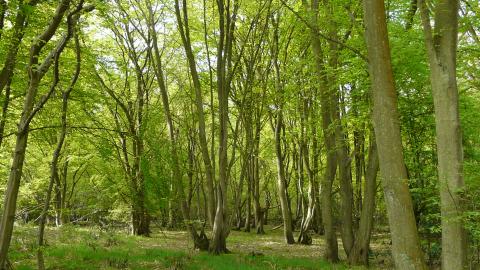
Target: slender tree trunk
[248, 215]
[359, 155]
[441, 45]
[238, 201]
[3, 120]
[329, 137]
[406, 249]
[259, 211]
[36, 72]
[346, 189]
[3, 10]
[309, 212]
[183, 26]
[200, 240]
[63, 206]
[279, 126]
[227, 26]
[281, 182]
[359, 253]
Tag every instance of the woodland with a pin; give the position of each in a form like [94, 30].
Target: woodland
[240, 134]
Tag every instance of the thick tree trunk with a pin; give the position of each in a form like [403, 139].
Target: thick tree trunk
[406, 249]
[442, 48]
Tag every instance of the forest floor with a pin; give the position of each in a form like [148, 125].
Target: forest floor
[70, 247]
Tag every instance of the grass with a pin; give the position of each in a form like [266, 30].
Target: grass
[73, 248]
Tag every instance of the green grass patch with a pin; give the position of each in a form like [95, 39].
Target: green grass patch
[70, 248]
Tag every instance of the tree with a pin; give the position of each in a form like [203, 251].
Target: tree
[441, 43]
[36, 71]
[278, 130]
[406, 249]
[54, 175]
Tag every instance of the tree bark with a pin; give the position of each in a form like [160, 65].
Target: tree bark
[360, 249]
[224, 51]
[36, 72]
[280, 157]
[406, 250]
[183, 27]
[331, 253]
[441, 46]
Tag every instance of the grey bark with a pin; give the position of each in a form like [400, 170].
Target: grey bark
[441, 43]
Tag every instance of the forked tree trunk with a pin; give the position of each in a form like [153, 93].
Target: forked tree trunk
[224, 54]
[346, 189]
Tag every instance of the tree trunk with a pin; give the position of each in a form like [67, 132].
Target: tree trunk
[200, 240]
[346, 189]
[259, 211]
[359, 253]
[54, 177]
[281, 182]
[331, 253]
[304, 237]
[281, 179]
[36, 72]
[442, 48]
[406, 249]
[248, 215]
[3, 120]
[183, 27]
[224, 52]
